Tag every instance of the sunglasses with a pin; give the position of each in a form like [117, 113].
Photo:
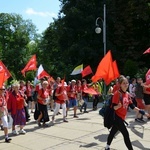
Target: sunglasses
[2, 89]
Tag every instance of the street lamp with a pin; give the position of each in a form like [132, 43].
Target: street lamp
[98, 31]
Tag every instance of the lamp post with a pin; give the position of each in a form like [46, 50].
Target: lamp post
[98, 31]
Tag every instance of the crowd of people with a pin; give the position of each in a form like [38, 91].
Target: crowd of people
[16, 100]
[20, 96]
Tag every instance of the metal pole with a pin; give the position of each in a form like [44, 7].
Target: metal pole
[104, 41]
[104, 29]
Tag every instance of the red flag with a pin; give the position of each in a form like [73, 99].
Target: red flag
[86, 71]
[116, 71]
[2, 77]
[31, 65]
[5, 70]
[147, 76]
[105, 69]
[147, 51]
[43, 74]
[90, 91]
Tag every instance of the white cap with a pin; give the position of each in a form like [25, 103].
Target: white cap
[73, 80]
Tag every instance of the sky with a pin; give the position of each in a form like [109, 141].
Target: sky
[41, 12]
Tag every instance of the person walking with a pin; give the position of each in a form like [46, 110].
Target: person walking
[4, 113]
[61, 97]
[120, 107]
[43, 101]
[16, 103]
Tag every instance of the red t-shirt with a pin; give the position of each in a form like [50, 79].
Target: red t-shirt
[3, 101]
[43, 94]
[19, 101]
[125, 100]
[116, 87]
[63, 97]
[72, 91]
[29, 90]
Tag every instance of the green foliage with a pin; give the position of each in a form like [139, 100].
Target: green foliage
[15, 36]
[71, 39]
[130, 68]
[141, 73]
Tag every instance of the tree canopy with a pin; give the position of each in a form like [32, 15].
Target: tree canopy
[71, 39]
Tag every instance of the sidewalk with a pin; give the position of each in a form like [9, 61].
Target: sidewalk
[84, 133]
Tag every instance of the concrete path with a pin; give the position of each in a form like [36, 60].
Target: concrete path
[84, 133]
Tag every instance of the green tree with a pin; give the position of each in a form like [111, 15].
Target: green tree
[15, 37]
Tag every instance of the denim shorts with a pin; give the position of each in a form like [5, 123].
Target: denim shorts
[72, 102]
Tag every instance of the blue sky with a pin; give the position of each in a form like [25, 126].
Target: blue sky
[41, 12]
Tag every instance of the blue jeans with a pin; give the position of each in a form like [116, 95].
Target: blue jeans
[85, 103]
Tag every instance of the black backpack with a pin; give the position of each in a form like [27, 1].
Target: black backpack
[55, 97]
[108, 112]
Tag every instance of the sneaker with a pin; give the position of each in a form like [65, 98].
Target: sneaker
[53, 119]
[80, 110]
[142, 120]
[86, 112]
[107, 148]
[14, 132]
[45, 125]
[75, 116]
[65, 120]
[8, 139]
[22, 131]
[39, 124]
[138, 120]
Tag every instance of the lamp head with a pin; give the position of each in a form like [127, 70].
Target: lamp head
[98, 30]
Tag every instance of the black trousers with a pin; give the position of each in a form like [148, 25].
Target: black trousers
[95, 101]
[120, 126]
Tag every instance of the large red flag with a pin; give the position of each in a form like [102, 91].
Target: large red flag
[31, 65]
[147, 51]
[2, 77]
[86, 71]
[5, 70]
[116, 71]
[147, 76]
[105, 69]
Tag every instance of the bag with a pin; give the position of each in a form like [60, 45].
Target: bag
[55, 97]
[10, 121]
[108, 112]
[36, 112]
[35, 93]
[107, 103]
[81, 102]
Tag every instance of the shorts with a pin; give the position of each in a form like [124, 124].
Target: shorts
[30, 98]
[140, 103]
[147, 99]
[72, 103]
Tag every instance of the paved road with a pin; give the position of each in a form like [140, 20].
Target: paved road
[84, 133]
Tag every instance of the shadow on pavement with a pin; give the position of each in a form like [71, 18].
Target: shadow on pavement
[139, 145]
[89, 145]
[102, 137]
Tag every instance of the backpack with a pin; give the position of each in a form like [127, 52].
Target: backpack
[55, 97]
[108, 112]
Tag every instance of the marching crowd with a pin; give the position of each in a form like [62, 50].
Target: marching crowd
[16, 99]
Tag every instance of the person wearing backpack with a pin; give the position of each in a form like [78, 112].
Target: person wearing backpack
[61, 98]
[120, 107]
